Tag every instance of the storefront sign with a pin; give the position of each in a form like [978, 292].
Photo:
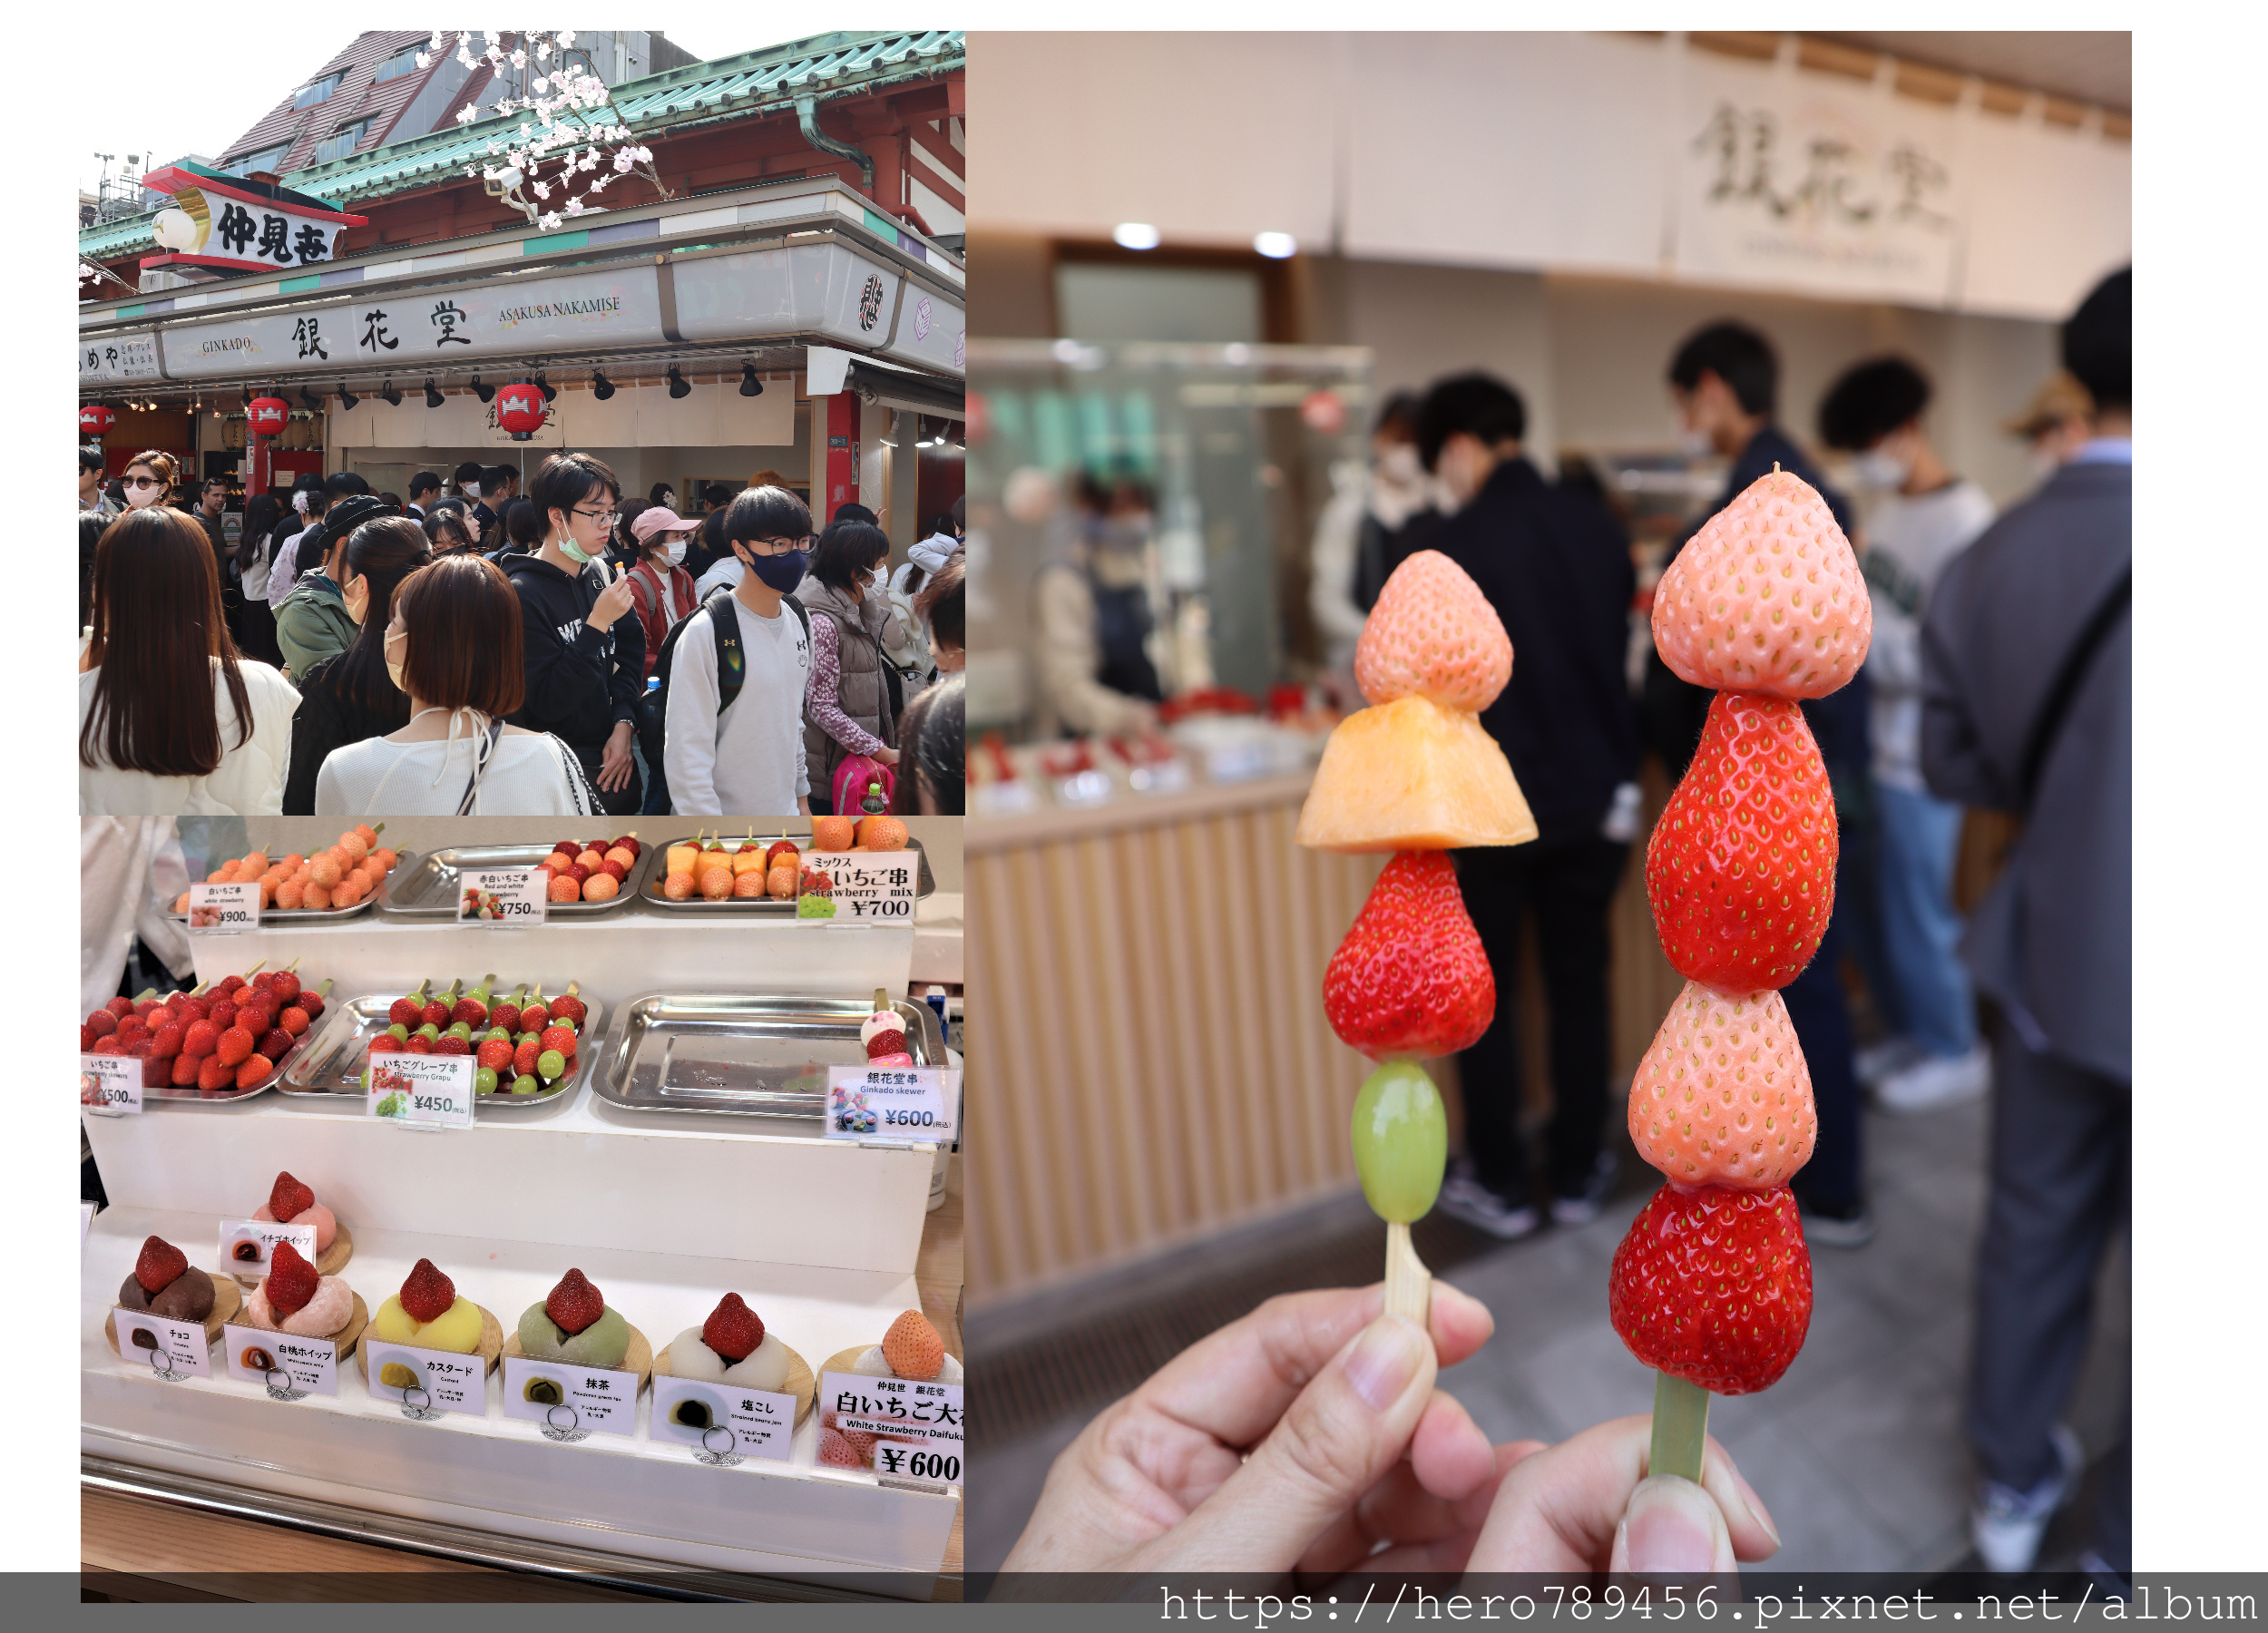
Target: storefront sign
[433, 1091]
[111, 1085]
[883, 1102]
[405, 333]
[173, 1350]
[426, 1382]
[719, 1424]
[504, 899]
[822, 290]
[118, 358]
[923, 1424]
[570, 1402]
[289, 1366]
[246, 1244]
[224, 909]
[224, 221]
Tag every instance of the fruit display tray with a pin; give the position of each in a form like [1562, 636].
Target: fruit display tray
[431, 890]
[742, 1055]
[380, 894]
[654, 868]
[333, 1066]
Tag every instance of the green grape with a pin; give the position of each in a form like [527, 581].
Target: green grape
[496, 1034]
[525, 1084]
[1401, 1142]
[462, 1030]
[398, 1033]
[485, 1080]
[550, 1065]
[430, 1033]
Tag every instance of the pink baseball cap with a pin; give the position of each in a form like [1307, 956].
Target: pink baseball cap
[655, 519]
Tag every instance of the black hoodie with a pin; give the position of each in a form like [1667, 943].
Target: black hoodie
[580, 681]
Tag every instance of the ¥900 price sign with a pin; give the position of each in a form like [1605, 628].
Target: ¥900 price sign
[224, 909]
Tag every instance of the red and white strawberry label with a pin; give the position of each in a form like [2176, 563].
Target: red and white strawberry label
[288, 1365]
[891, 1102]
[430, 1091]
[173, 1350]
[224, 909]
[570, 1402]
[246, 1245]
[110, 1085]
[504, 898]
[720, 1420]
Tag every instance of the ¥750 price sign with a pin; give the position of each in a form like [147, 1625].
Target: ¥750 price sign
[886, 1102]
[504, 899]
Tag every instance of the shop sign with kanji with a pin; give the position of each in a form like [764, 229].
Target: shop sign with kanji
[239, 226]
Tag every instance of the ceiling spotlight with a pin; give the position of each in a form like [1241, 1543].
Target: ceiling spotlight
[391, 395]
[1135, 235]
[749, 385]
[433, 397]
[545, 386]
[486, 394]
[314, 403]
[602, 387]
[1276, 245]
[346, 399]
[678, 387]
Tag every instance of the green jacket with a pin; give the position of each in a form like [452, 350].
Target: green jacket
[311, 623]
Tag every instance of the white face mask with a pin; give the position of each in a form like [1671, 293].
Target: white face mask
[1878, 468]
[396, 650]
[142, 498]
[673, 551]
[1399, 465]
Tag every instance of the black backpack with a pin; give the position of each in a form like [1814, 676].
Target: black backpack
[653, 707]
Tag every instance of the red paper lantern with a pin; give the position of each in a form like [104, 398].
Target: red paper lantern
[268, 415]
[520, 409]
[94, 419]
[1323, 411]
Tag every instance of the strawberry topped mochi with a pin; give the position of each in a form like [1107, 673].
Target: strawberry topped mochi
[292, 1202]
[575, 1324]
[732, 1346]
[295, 1299]
[164, 1283]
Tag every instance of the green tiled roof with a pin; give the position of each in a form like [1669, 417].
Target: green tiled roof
[730, 87]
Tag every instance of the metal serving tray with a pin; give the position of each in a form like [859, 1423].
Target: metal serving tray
[654, 868]
[220, 1097]
[430, 890]
[273, 917]
[731, 1053]
[333, 1066]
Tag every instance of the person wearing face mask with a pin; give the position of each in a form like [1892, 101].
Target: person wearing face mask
[1092, 607]
[662, 591]
[2056, 423]
[745, 752]
[855, 695]
[452, 649]
[351, 696]
[942, 608]
[283, 576]
[317, 619]
[1557, 569]
[1726, 382]
[148, 480]
[586, 661]
[1402, 501]
[1922, 517]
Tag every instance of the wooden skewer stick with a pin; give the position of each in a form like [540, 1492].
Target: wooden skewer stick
[1681, 1427]
[1409, 1283]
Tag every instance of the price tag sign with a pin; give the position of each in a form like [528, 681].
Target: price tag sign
[720, 1424]
[504, 898]
[569, 1403]
[426, 1382]
[863, 888]
[891, 1102]
[920, 1425]
[433, 1091]
[288, 1366]
[224, 909]
[246, 1244]
[111, 1085]
[173, 1350]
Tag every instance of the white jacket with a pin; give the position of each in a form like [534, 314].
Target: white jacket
[248, 780]
[528, 776]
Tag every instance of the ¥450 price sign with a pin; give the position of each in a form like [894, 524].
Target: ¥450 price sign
[891, 1102]
[504, 898]
[421, 1090]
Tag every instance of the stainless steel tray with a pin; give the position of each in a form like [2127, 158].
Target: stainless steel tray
[221, 1097]
[429, 891]
[654, 868]
[378, 898]
[732, 1054]
[333, 1066]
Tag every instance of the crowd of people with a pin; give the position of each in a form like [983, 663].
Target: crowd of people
[478, 650]
[1998, 678]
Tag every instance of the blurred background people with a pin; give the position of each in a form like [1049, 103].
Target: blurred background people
[2056, 423]
[1921, 517]
[1093, 610]
[318, 618]
[1373, 520]
[93, 499]
[2027, 705]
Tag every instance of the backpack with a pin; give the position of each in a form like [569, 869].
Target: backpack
[653, 707]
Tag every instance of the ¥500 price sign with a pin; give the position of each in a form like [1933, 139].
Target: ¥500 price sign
[110, 1085]
[891, 1102]
[224, 908]
[504, 899]
[427, 1090]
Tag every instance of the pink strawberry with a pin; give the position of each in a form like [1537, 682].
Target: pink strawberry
[574, 1304]
[1766, 597]
[836, 1452]
[1741, 868]
[428, 1294]
[733, 1330]
[1411, 978]
[1433, 634]
[160, 1265]
[1723, 1097]
[913, 1348]
[291, 1280]
[1713, 1287]
[288, 1198]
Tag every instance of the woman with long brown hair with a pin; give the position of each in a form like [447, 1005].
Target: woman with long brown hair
[171, 719]
[348, 697]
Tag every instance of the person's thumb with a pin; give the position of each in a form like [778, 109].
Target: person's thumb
[1672, 1527]
[1340, 1436]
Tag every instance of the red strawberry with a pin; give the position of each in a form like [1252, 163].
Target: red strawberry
[886, 1043]
[733, 1330]
[254, 1072]
[288, 1198]
[108, 1046]
[505, 1014]
[561, 1037]
[224, 1014]
[383, 1043]
[574, 1304]
[1713, 1287]
[628, 844]
[233, 983]
[193, 1007]
[144, 1006]
[494, 1053]
[101, 1022]
[213, 1072]
[264, 979]
[450, 1044]
[87, 1036]
[159, 1266]
[311, 1003]
[419, 1043]
[470, 1011]
[524, 1057]
[119, 1007]
[407, 1011]
[1410, 977]
[185, 1070]
[293, 1020]
[131, 1031]
[235, 1046]
[1741, 868]
[570, 1008]
[275, 1043]
[428, 1294]
[535, 1017]
[436, 1013]
[156, 1073]
[201, 1038]
[291, 1280]
[286, 986]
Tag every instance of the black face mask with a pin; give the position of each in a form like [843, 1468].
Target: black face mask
[780, 572]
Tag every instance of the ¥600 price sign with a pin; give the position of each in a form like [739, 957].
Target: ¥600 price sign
[891, 1102]
[504, 898]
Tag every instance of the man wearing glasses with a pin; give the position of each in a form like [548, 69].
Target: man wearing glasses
[93, 499]
[585, 662]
